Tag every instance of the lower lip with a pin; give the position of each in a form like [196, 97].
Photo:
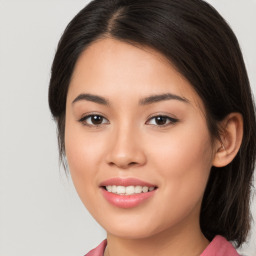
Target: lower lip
[128, 201]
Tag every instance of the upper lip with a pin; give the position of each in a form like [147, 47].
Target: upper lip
[125, 182]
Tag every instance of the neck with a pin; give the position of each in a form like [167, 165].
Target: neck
[188, 241]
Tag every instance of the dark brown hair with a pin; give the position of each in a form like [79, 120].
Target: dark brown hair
[198, 41]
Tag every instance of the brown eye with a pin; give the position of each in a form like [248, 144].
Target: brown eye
[93, 120]
[96, 120]
[161, 120]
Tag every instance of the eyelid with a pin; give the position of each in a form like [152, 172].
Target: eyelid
[172, 120]
[91, 114]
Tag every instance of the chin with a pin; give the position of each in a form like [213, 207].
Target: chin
[131, 233]
[132, 229]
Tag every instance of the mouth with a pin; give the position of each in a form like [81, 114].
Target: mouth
[128, 190]
[127, 186]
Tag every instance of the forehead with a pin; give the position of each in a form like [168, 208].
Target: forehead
[111, 67]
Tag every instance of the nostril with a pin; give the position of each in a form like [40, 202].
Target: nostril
[132, 163]
[124, 165]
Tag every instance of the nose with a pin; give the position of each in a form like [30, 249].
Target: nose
[126, 149]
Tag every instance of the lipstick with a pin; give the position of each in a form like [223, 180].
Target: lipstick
[127, 193]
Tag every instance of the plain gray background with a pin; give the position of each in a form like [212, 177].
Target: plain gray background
[40, 213]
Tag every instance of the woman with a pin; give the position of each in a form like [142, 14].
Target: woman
[156, 119]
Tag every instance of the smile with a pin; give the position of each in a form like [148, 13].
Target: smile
[128, 190]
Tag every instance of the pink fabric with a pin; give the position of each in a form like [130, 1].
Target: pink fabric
[218, 247]
[99, 250]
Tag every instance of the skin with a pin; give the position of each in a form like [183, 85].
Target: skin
[177, 157]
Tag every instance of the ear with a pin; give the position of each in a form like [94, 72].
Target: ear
[230, 140]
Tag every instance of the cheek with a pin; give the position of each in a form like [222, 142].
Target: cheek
[83, 148]
[81, 152]
[183, 147]
[183, 158]
[84, 156]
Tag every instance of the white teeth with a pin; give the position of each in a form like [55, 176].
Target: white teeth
[120, 190]
[145, 189]
[113, 189]
[129, 190]
[109, 188]
[138, 189]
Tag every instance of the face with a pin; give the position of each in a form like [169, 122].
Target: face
[137, 142]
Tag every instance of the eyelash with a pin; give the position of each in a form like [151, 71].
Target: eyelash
[170, 120]
[83, 120]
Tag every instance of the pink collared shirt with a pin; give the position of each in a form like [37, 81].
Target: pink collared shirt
[219, 246]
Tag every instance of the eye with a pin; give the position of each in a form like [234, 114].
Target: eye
[161, 120]
[93, 120]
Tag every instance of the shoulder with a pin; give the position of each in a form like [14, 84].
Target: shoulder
[220, 247]
[99, 250]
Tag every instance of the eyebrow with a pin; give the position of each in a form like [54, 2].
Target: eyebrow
[91, 97]
[162, 97]
[145, 101]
